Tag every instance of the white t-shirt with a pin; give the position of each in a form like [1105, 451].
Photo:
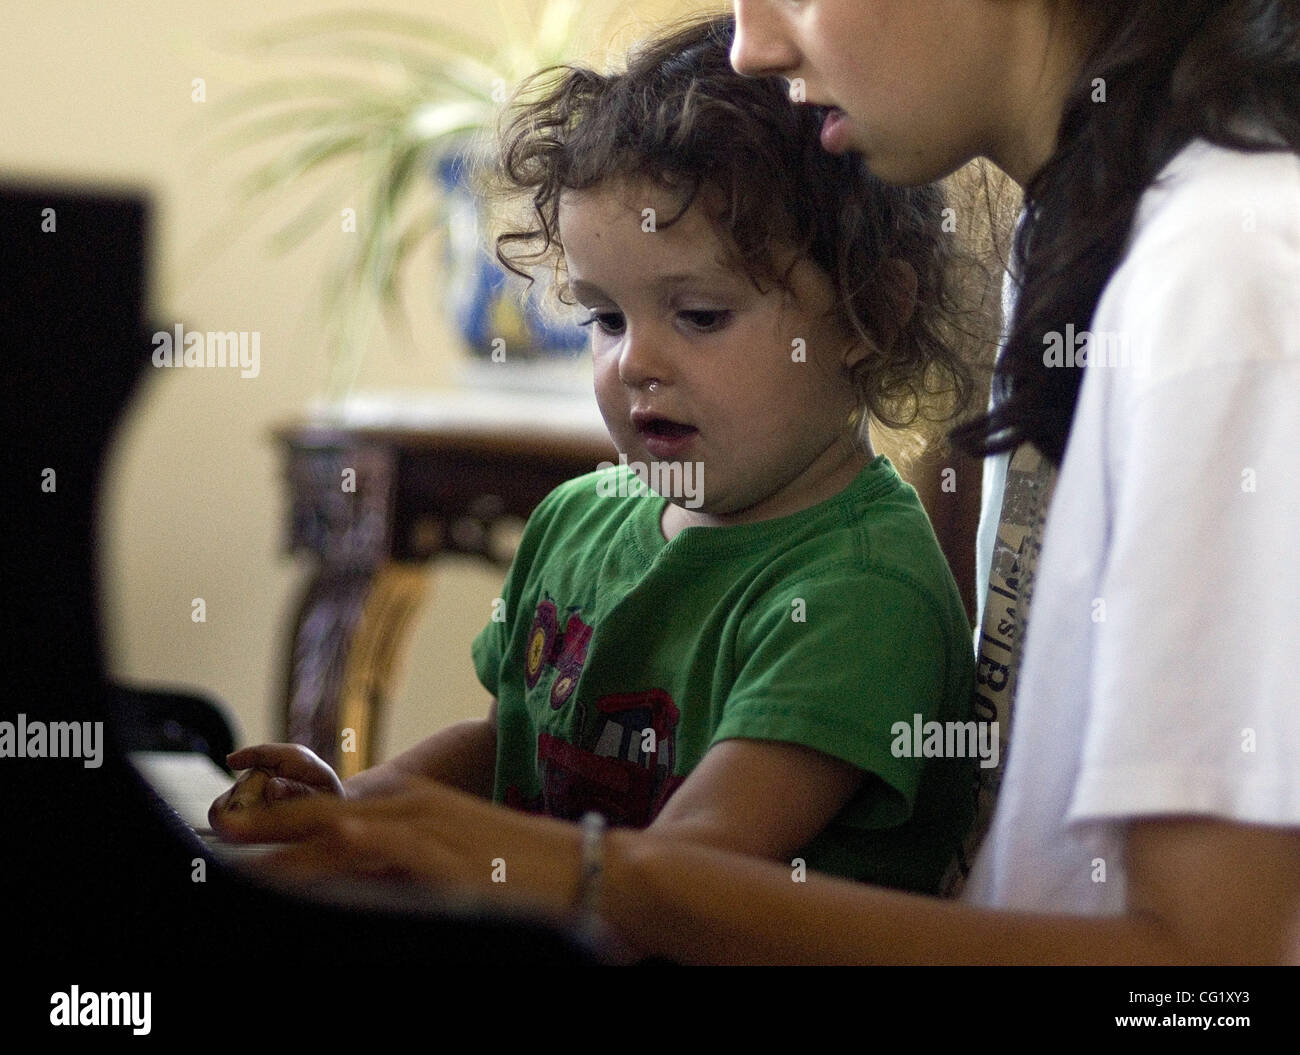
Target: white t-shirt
[1161, 670]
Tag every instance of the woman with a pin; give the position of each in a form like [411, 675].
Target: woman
[1151, 809]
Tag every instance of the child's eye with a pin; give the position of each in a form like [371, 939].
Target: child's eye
[707, 320]
[610, 322]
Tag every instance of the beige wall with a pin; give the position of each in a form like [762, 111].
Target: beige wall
[194, 504]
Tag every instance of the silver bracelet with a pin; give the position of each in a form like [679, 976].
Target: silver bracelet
[593, 860]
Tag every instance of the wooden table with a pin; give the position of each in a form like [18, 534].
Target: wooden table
[377, 495]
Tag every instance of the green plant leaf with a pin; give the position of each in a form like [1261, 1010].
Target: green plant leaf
[263, 127]
[436, 121]
[300, 89]
[306, 159]
[417, 230]
[307, 222]
[443, 35]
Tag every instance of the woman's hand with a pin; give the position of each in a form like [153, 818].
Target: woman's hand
[432, 834]
[274, 773]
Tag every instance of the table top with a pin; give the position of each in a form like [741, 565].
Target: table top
[469, 419]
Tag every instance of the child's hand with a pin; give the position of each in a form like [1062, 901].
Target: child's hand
[274, 772]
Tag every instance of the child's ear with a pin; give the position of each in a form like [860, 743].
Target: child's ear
[895, 304]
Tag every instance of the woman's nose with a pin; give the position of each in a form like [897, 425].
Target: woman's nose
[760, 47]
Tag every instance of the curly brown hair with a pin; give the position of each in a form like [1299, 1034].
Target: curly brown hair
[680, 116]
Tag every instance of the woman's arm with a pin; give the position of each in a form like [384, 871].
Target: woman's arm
[1200, 891]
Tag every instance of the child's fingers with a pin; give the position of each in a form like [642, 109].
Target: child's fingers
[254, 755]
[278, 789]
[247, 791]
[217, 811]
[286, 760]
[292, 819]
[300, 817]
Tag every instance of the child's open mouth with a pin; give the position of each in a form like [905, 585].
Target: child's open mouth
[663, 437]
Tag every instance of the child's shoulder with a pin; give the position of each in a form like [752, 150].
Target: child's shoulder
[888, 516]
[608, 493]
[879, 537]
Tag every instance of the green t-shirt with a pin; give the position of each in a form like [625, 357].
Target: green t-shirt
[621, 658]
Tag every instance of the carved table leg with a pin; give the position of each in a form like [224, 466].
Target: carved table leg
[377, 649]
[349, 637]
[324, 627]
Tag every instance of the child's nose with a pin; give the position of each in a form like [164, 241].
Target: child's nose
[645, 357]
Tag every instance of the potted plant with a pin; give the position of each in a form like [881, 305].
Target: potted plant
[407, 107]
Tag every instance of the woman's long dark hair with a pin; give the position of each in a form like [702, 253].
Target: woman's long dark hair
[1227, 71]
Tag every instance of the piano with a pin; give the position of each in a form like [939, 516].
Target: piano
[97, 873]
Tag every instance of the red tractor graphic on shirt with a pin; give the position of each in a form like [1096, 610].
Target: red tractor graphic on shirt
[628, 773]
[623, 766]
[627, 777]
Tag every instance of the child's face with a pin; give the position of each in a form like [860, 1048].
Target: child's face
[926, 84]
[694, 364]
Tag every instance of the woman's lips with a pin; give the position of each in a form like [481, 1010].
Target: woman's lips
[835, 131]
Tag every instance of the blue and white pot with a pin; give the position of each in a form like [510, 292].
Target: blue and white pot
[486, 301]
